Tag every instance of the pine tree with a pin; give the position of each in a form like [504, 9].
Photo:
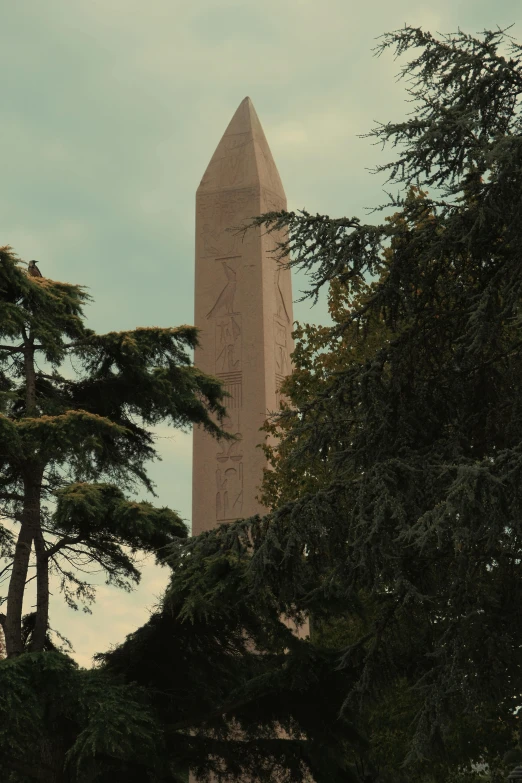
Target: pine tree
[76, 409]
[411, 457]
[387, 719]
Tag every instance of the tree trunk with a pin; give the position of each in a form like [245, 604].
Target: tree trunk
[42, 594]
[30, 377]
[30, 531]
[15, 595]
[29, 528]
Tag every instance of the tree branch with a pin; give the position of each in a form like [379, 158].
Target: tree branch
[61, 544]
[10, 565]
[11, 496]
[12, 349]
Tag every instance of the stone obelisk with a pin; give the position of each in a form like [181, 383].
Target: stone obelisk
[243, 307]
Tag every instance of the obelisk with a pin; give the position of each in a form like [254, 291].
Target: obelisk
[243, 308]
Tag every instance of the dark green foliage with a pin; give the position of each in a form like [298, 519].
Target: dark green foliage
[221, 704]
[74, 434]
[62, 723]
[186, 690]
[419, 501]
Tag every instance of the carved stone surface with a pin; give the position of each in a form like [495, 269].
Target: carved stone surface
[228, 344]
[229, 496]
[243, 309]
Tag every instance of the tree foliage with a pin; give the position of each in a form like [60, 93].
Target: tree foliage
[405, 463]
[76, 409]
[182, 691]
[62, 723]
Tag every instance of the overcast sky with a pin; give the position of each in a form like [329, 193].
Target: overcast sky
[111, 110]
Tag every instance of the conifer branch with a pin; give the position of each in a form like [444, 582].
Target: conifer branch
[11, 349]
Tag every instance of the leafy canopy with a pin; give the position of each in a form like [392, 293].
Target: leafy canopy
[412, 455]
[76, 411]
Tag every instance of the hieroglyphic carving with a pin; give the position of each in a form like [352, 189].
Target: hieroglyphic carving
[228, 343]
[231, 450]
[225, 301]
[229, 471]
[282, 358]
[279, 333]
[281, 309]
[232, 383]
[231, 422]
[282, 361]
[229, 495]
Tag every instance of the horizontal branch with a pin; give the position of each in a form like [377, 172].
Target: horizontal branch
[12, 349]
[67, 541]
[11, 496]
[37, 346]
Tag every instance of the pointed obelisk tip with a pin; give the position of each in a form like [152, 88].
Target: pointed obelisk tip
[246, 163]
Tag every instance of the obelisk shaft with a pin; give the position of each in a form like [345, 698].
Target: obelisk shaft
[243, 307]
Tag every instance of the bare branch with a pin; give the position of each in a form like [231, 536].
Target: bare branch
[64, 542]
[10, 565]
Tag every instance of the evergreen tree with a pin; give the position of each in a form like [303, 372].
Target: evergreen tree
[75, 412]
[412, 457]
[181, 694]
[388, 717]
[225, 681]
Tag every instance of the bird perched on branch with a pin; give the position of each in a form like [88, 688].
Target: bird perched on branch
[33, 270]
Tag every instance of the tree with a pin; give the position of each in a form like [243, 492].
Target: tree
[413, 489]
[61, 724]
[176, 692]
[75, 408]
[387, 719]
[179, 694]
[226, 681]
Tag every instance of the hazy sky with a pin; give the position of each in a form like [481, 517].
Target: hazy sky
[111, 110]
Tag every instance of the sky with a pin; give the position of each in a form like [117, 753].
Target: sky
[110, 113]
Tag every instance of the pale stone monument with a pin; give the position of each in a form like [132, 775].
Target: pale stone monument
[243, 307]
